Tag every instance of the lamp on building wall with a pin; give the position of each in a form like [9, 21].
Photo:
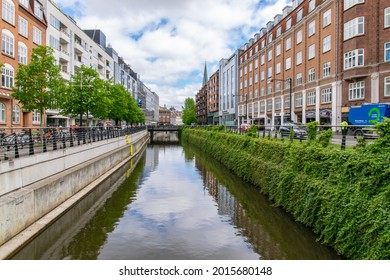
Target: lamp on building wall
[289, 80]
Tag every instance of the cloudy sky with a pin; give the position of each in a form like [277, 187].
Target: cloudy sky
[168, 41]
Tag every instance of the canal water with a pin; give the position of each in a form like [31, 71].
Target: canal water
[175, 203]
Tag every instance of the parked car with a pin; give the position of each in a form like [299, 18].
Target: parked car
[299, 130]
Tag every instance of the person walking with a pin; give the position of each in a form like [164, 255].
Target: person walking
[344, 127]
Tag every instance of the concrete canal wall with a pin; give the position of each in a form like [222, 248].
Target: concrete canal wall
[32, 186]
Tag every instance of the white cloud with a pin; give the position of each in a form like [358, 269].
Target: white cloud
[168, 41]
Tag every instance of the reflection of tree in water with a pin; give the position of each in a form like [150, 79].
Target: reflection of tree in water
[271, 232]
[87, 242]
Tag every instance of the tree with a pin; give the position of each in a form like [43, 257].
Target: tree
[39, 84]
[120, 103]
[86, 94]
[189, 113]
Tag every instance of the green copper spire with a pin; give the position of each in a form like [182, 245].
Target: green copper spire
[205, 77]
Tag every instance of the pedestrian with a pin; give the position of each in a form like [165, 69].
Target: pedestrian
[344, 127]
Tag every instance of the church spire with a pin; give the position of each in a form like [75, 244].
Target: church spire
[205, 77]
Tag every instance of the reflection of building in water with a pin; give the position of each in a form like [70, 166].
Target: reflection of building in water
[228, 205]
[151, 159]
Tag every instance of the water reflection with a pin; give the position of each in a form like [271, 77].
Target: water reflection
[176, 204]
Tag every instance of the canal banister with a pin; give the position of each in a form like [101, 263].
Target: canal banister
[32, 186]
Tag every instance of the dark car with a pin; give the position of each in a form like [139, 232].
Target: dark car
[299, 131]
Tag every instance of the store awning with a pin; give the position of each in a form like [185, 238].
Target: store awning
[58, 117]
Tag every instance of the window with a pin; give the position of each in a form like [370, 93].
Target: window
[250, 67]
[241, 72]
[312, 28]
[327, 18]
[246, 70]
[278, 68]
[245, 83]
[55, 22]
[354, 58]
[256, 63]
[299, 57]
[269, 89]
[312, 51]
[263, 44]
[311, 75]
[288, 44]
[298, 100]
[2, 112]
[278, 104]
[349, 3]
[387, 17]
[270, 37]
[287, 84]
[250, 81]
[262, 107]
[269, 72]
[8, 12]
[16, 114]
[55, 43]
[299, 79]
[38, 10]
[36, 117]
[354, 28]
[7, 42]
[7, 77]
[256, 78]
[326, 95]
[387, 86]
[23, 27]
[262, 75]
[269, 105]
[356, 91]
[299, 15]
[287, 102]
[288, 24]
[22, 53]
[262, 91]
[256, 48]
[278, 31]
[311, 98]
[278, 86]
[326, 44]
[278, 50]
[24, 3]
[262, 59]
[270, 55]
[37, 36]
[387, 51]
[299, 37]
[288, 63]
[312, 5]
[326, 70]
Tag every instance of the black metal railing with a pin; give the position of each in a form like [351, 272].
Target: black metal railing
[24, 141]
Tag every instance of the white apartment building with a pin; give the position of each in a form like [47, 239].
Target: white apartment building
[228, 89]
[73, 48]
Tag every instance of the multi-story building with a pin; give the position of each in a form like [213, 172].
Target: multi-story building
[74, 47]
[213, 99]
[23, 27]
[364, 52]
[164, 115]
[314, 61]
[201, 99]
[228, 89]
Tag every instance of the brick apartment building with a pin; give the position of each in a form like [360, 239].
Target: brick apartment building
[23, 27]
[213, 99]
[201, 99]
[333, 54]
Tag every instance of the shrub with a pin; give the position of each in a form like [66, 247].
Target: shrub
[312, 128]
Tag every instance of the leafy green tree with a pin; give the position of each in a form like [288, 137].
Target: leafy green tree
[86, 94]
[189, 112]
[39, 84]
[134, 114]
[120, 102]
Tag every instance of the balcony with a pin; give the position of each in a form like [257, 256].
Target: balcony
[78, 48]
[64, 56]
[64, 36]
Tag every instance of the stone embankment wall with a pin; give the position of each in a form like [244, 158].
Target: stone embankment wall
[31, 187]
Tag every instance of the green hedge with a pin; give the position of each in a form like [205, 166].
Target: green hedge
[343, 195]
